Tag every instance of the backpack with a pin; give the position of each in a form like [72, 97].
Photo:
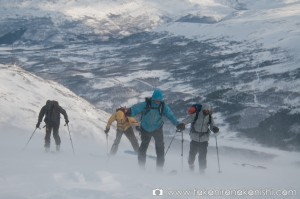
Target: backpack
[160, 108]
[123, 109]
[198, 108]
[52, 112]
[148, 107]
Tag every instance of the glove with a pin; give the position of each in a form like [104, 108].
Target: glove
[138, 128]
[180, 126]
[38, 125]
[67, 121]
[215, 129]
[106, 130]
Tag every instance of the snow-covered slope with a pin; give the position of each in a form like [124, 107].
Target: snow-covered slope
[23, 94]
[247, 169]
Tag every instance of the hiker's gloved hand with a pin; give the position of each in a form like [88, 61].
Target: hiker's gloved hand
[215, 129]
[180, 126]
[38, 125]
[106, 130]
[138, 128]
[67, 121]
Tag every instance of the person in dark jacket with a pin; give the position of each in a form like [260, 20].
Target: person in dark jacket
[151, 124]
[52, 112]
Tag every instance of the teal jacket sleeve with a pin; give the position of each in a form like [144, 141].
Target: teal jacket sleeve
[170, 115]
[138, 108]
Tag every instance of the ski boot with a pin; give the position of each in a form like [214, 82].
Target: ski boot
[57, 148]
[47, 147]
[191, 167]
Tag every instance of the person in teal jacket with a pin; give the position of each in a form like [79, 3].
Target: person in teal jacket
[152, 111]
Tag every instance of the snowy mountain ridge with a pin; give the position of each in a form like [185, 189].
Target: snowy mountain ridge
[121, 17]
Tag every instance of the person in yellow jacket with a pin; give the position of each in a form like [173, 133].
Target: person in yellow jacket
[123, 126]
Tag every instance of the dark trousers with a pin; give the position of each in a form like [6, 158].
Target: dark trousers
[49, 128]
[159, 147]
[130, 136]
[201, 148]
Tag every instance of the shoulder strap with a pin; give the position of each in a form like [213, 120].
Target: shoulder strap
[148, 102]
[148, 106]
[196, 117]
[198, 109]
[161, 108]
[197, 114]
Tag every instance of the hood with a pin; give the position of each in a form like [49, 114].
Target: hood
[157, 95]
[120, 116]
[48, 102]
[206, 107]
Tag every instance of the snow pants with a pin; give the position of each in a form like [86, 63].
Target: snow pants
[201, 148]
[130, 136]
[49, 128]
[159, 147]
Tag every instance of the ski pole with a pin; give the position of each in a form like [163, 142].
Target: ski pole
[70, 138]
[171, 143]
[30, 138]
[218, 154]
[107, 144]
[182, 151]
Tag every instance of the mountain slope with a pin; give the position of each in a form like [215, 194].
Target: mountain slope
[34, 174]
[24, 94]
